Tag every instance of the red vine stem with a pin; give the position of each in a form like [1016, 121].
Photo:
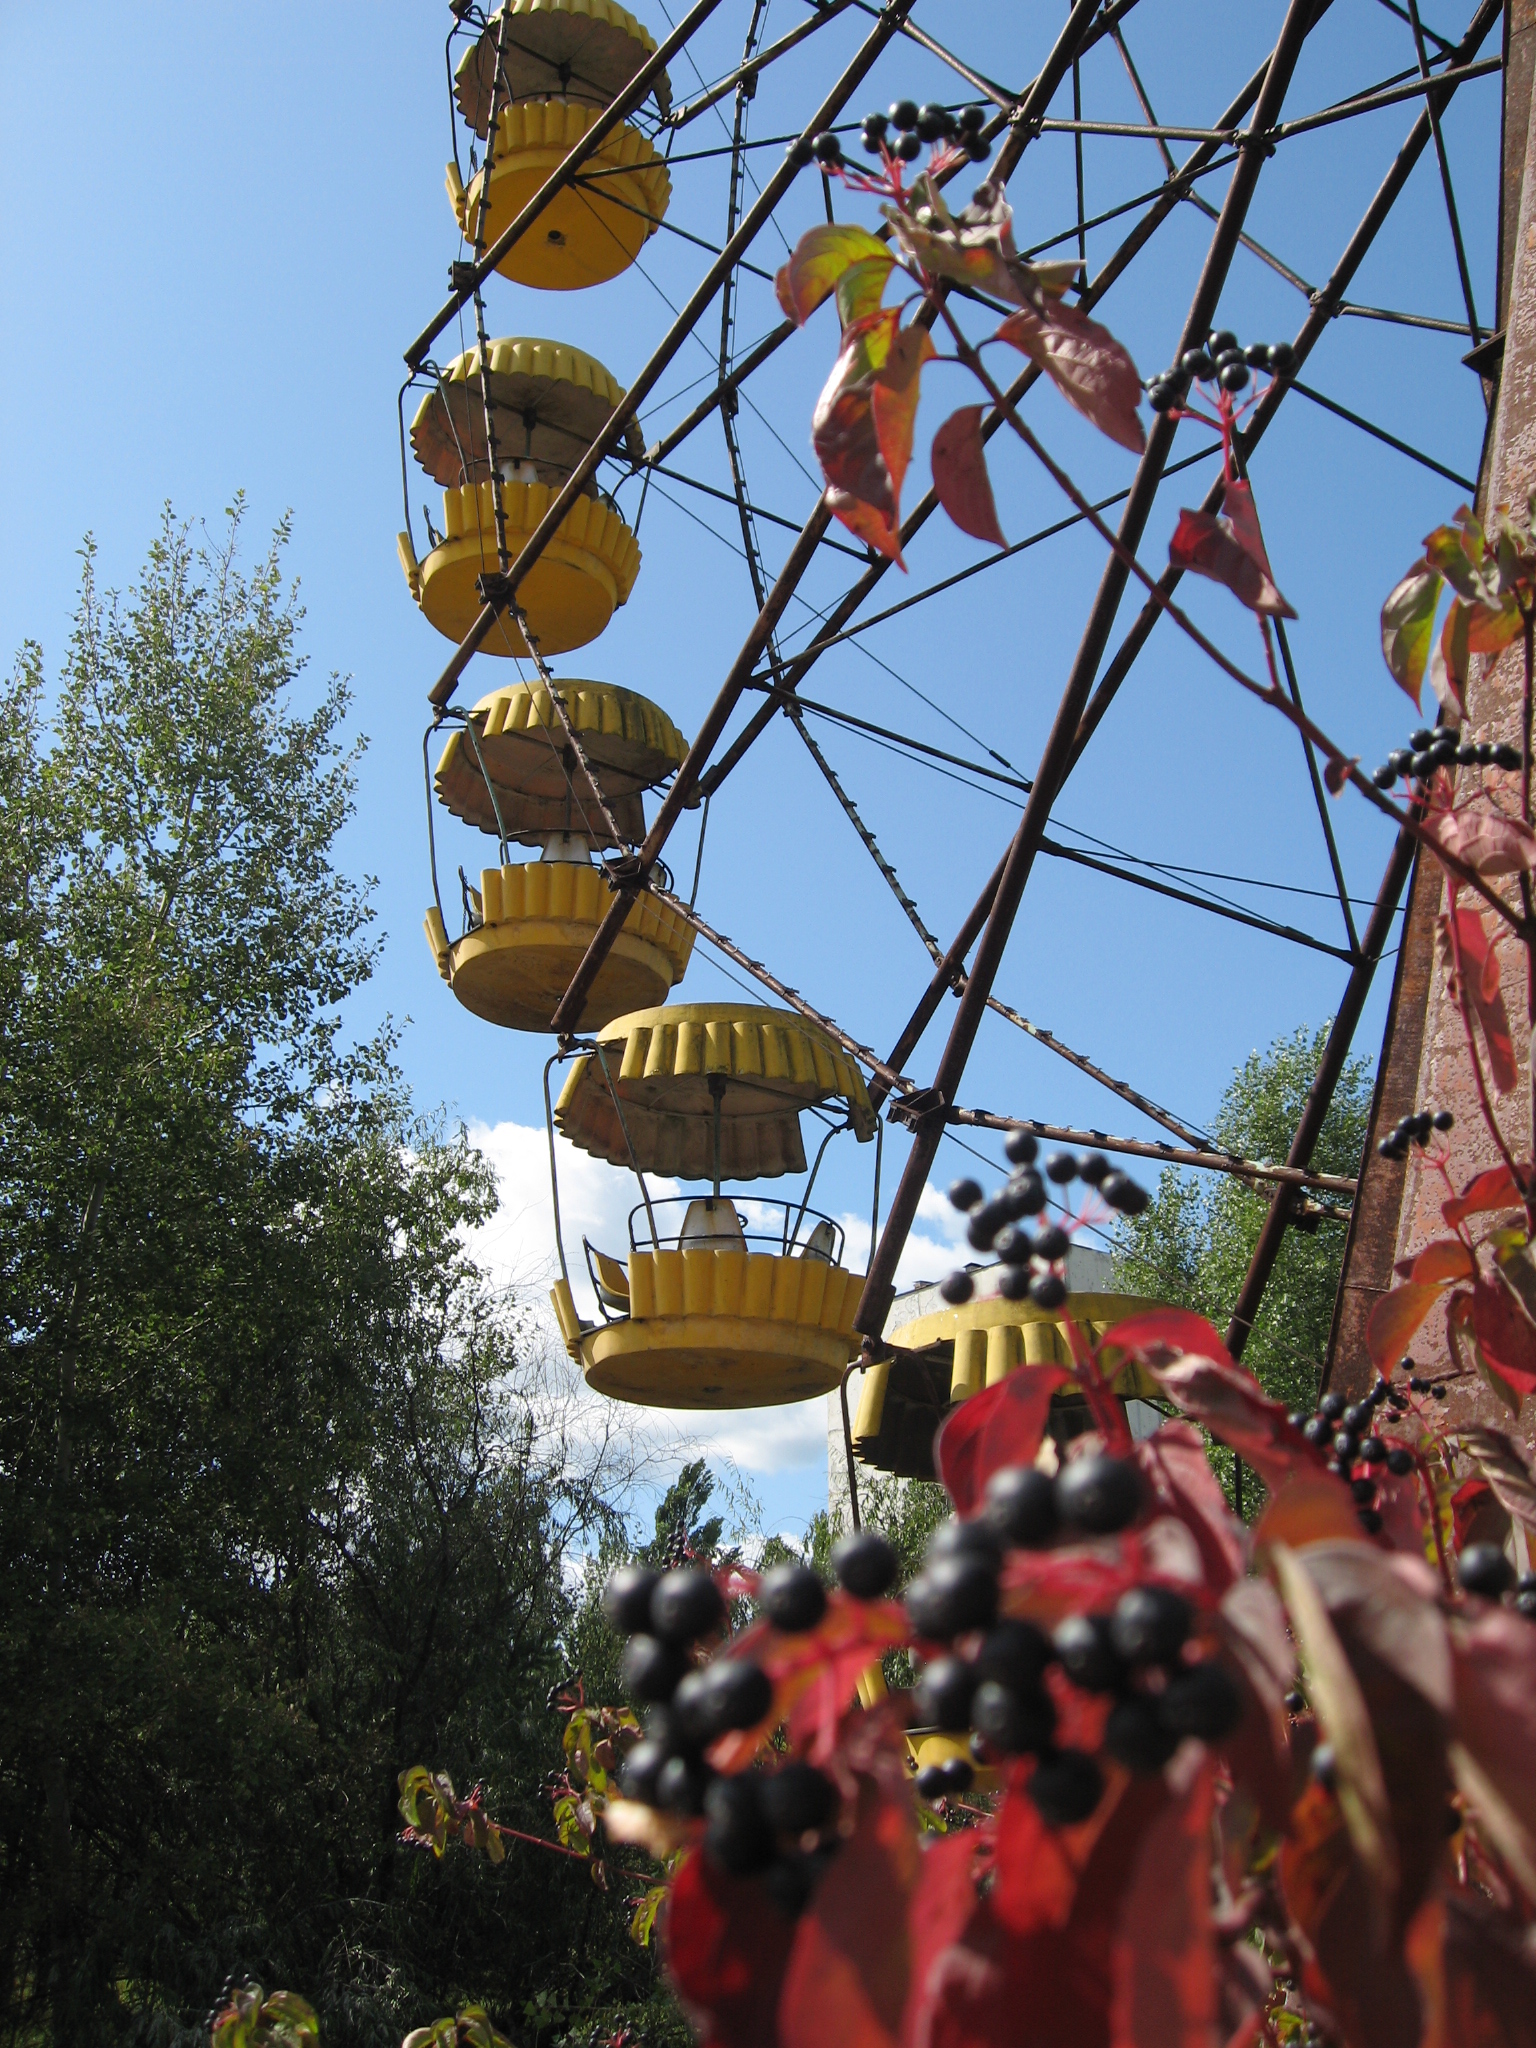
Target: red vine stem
[1270, 694]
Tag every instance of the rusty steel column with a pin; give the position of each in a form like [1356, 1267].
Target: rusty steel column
[1424, 1060]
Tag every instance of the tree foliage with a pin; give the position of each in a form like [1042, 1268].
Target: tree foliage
[1192, 1244]
[287, 1488]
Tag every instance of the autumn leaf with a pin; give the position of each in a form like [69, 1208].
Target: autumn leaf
[1505, 1470]
[862, 426]
[1232, 1406]
[1391, 1325]
[894, 397]
[1493, 1661]
[1491, 1190]
[1161, 1335]
[726, 1946]
[1341, 1710]
[1483, 840]
[959, 462]
[1446, 1259]
[1163, 1950]
[1179, 1472]
[822, 258]
[1229, 548]
[1475, 979]
[1090, 369]
[1407, 626]
[846, 1983]
[1505, 1337]
[1002, 1425]
[973, 247]
[1477, 1975]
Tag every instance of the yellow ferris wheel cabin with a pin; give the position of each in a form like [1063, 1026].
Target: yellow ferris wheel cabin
[548, 404]
[722, 1302]
[562, 63]
[511, 771]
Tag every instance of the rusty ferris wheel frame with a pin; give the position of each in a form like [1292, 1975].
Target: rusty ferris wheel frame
[1242, 137]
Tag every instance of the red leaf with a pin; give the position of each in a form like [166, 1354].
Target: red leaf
[1492, 1189]
[1163, 1955]
[1003, 1425]
[1162, 1334]
[940, 1907]
[727, 1946]
[1229, 548]
[1174, 1460]
[1477, 1975]
[1260, 1654]
[877, 530]
[960, 476]
[1087, 365]
[1485, 841]
[1505, 1335]
[1233, 1407]
[893, 398]
[1493, 1659]
[1390, 1328]
[846, 1984]
[814, 1673]
[1446, 1259]
[1477, 980]
[1354, 1966]
[1311, 1507]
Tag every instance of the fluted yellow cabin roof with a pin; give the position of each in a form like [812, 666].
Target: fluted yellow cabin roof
[585, 50]
[549, 403]
[630, 743]
[775, 1064]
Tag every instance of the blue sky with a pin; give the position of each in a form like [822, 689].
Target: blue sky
[222, 226]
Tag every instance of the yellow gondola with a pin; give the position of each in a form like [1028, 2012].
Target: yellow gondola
[511, 771]
[563, 62]
[947, 1354]
[549, 403]
[725, 1311]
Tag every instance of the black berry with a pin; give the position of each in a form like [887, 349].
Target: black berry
[1020, 1148]
[733, 1692]
[932, 1783]
[903, 114]
[627, 1597]
[1065, 1786]
[1203, 1701]
[1331, 1406]
[964, 1194]
[641, 1769]
[972, 120]
[1013, 1723]
[684, 1606]
[1483, 1568]
[943, 1693]
[1098, 1494]
[1014, 1654]
[1087, 1652]
[1399, 1461]
[1052, 1242]
[736, 1833]
[957, 1536]
[1061, 1167]
[681, 1784]
[1235, 376]
[1020, 1504]
[1282, 358]
[827, 149]
[1048, 1291]
[1094, 1168]
[1150, 1624]
[908, 148]
[951, 1595]
[1135, 1735]
[650, 1670]
[865, 1565]
[1024, 1195]
[934, 123]
[957, 1287]
[792, 1597]
[1123, 1193]
[796, 1798]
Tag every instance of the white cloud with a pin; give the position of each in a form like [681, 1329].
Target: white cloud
[517, 1249]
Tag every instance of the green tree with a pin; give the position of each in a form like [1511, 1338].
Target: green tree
[1192, 1244]
[289, 1493]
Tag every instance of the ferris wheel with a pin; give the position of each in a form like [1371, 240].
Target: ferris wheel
[572, 144]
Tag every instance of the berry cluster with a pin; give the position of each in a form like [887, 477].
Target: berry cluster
[1443, 747]
[1482, 1568]
[221, 2004]
[756, 1822]
[898, 135]
[1030, 1261]
[1223, 362]
[992, 1678]
[1414, 1129]
[1348, 1431]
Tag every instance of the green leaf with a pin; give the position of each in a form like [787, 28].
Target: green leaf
[822, 257]
[861, 288]
[1407, 624]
